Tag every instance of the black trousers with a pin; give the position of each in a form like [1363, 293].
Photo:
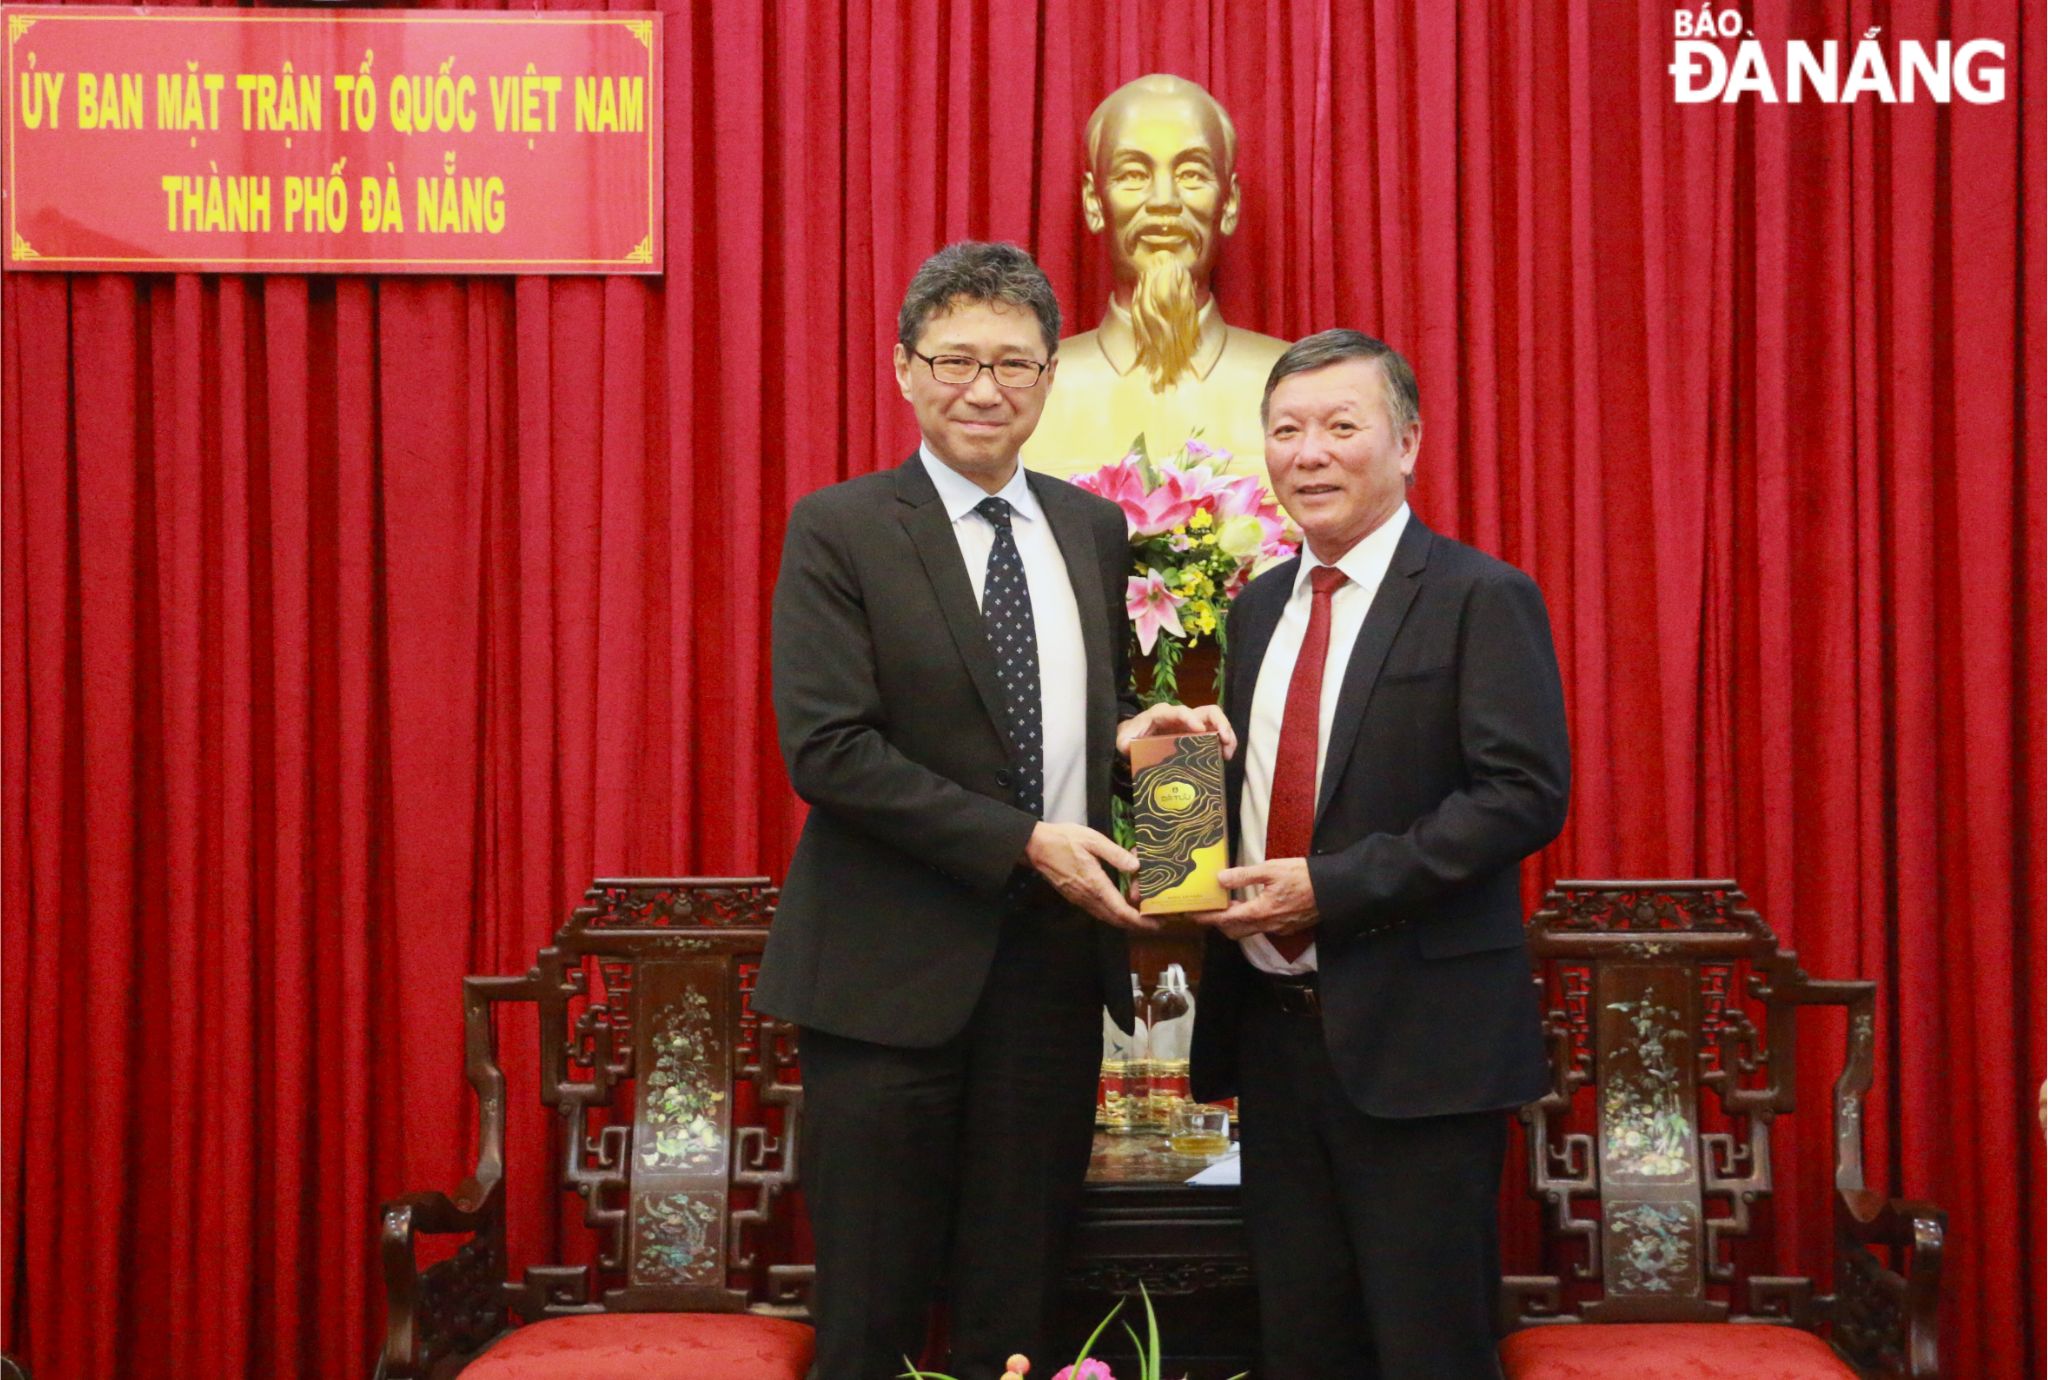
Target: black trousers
[962, 1163]
[1374, 1241]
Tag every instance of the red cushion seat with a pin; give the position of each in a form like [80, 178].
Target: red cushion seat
[1669, 1351]
[649, 1346]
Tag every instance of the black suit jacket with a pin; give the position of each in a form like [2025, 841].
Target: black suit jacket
[1448, 763]
[892, 725]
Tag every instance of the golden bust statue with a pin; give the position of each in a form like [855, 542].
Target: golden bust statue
[1161, 188]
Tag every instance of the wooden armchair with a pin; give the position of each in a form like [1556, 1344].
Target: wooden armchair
[678, 1110]
[1659, 992]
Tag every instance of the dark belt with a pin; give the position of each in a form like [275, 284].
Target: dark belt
[1297, 995]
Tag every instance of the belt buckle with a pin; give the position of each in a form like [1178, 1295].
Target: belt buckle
[1296, 997]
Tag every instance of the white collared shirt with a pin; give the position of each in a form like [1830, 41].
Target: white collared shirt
[1062, 658]
[1366, 564]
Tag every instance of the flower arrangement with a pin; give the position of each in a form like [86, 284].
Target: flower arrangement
[1086, 1367]
[1197, 534]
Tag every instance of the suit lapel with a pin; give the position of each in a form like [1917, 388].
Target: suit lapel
[931, 533]
[1375, 637]
[1263, 604]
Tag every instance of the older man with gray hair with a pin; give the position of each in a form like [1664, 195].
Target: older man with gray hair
[1368, 997]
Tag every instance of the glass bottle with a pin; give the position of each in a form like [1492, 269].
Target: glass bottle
[1172, 1014]
[1116, 1107]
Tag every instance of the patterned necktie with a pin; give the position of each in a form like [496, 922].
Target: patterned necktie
[1291, 815]
[1013, 637]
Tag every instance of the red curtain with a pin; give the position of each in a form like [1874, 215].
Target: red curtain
[351, 625]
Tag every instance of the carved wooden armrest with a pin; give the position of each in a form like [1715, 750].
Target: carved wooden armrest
[1525, 1300]
[450, 1308]
[1885, 1319]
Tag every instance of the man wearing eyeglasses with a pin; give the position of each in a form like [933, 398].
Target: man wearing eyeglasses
[951, 691]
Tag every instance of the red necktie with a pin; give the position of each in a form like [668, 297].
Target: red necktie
[1291, 815]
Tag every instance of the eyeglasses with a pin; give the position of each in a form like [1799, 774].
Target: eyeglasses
[965, 369]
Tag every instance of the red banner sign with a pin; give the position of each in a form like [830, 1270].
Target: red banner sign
[343, 142]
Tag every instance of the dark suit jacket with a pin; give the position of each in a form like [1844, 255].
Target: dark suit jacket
[891, 723]
[1447, 764]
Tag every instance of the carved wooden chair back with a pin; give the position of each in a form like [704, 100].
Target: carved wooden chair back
[1658, 994]
[677, 1105]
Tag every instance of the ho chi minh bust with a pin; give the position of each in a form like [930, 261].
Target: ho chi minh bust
[1161, 188]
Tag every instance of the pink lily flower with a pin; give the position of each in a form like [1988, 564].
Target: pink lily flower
[1124, 485]
[1239, 496]
[1244, 496]
[1115, 482]
[1152, 608]
[1090, 1369]
[1164, 509]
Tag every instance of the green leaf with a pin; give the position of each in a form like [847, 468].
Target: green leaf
[915, 1374]
[1144, 1369]
[1151, 1368]
[1089, 1345]
[1147, 471]
[1166, 654]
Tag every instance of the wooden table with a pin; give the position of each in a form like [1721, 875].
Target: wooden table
[1141, 1223]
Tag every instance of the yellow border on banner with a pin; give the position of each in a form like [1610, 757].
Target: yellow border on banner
[644, 26]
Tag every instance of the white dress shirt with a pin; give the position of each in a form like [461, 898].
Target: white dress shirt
[1062, 660]
[1366, 566]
